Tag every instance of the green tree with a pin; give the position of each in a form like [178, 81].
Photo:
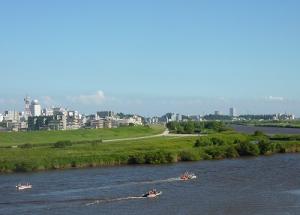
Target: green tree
[189, 127]
[264, 146]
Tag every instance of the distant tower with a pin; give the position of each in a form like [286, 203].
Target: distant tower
[35, 108]
[217, 113]
[232, 112]
[27, 111]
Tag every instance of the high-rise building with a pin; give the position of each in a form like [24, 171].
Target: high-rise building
[232, 112]
[35, 108]
[217, 113]
[105, 114]
[178, 117]
[27, 111]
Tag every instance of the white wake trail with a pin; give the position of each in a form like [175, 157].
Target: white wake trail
[114, 200]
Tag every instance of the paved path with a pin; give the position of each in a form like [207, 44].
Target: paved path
[166, 133]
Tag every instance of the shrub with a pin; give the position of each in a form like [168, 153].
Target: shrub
[62, 144]
[264, 146]
[6, 166]
[25, 166]
[156, 157]
[218, 141]
[189, 155]
[203, 141]
[216, 152]
[26, 146]
[259, 133]
[231, 152]
[247, 148]
[137, 159]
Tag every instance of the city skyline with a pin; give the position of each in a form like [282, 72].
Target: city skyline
[94, 102]
[153, 57]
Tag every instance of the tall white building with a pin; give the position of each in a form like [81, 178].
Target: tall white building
[232, 112]
[35, 108]
[27, 112]
[217, 113]
[1, 117]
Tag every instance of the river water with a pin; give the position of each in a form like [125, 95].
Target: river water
[260, 185]
[268, 130]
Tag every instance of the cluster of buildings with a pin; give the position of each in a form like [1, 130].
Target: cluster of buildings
[217, 115]
[274, 117]
[34, 117]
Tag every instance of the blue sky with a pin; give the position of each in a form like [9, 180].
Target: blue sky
[154, 56]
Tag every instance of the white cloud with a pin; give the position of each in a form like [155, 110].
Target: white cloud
[274, 98]
[96, 98]
[47, 100]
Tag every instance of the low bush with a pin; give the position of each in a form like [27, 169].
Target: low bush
[137, 159]
[203, 141]
[247, 149]
[156, 158]
[62, 144]
[264, 146]
[231, 152]
[259, 133]
[189, 155]
[26, 146]
[25, 166]
[218, 141]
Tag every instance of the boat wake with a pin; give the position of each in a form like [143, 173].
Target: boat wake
[90, 200]
[157, 181]
[294, 192]
[137, 183]
[109, 186]
[114, 200]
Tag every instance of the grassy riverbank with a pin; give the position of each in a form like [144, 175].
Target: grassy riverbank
[158, 150]
[41, 137]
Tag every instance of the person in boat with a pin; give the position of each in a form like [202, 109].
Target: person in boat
[153, 191]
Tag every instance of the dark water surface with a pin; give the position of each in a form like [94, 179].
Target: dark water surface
[262, 185]
[268, 130]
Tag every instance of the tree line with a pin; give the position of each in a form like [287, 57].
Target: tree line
[191, 127]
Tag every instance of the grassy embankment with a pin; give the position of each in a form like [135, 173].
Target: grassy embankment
[156, 150]
[82, 135]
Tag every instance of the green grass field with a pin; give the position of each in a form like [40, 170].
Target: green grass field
[156, 150]
[39, 137]
[82, 155]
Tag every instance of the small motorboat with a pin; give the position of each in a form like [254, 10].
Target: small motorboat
[24, 186]
[152, 194]
[188, 176]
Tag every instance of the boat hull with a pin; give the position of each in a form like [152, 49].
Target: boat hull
[152, 195]
[24, 187]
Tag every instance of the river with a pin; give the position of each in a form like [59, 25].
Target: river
[260, 185]
[268, 130]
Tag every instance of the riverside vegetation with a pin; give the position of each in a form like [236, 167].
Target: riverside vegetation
[156, 150]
